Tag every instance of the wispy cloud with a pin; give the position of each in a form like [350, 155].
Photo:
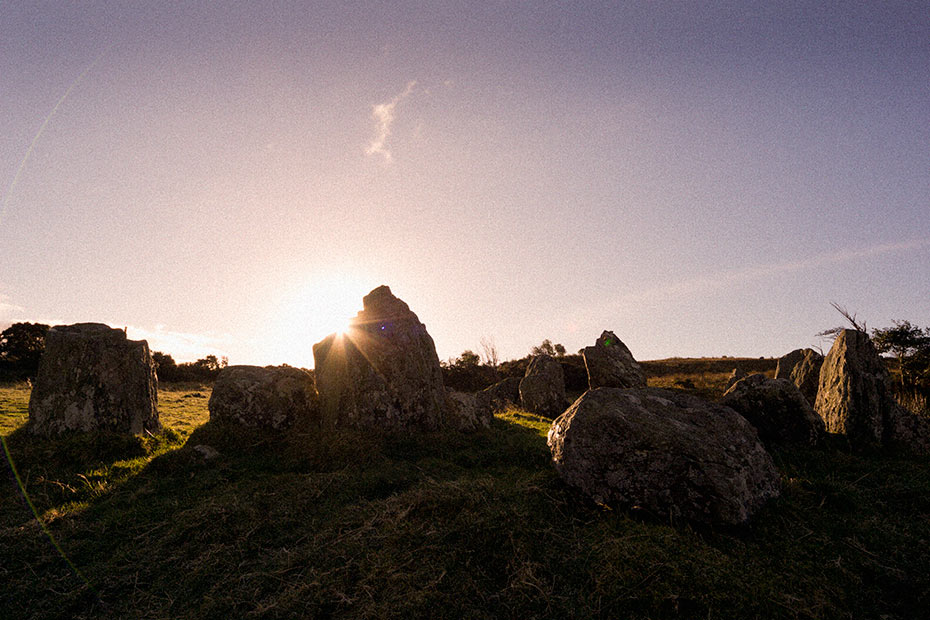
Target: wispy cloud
[724, 279]
[383, 113]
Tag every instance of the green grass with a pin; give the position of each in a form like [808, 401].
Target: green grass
[14, 406]
[441, 525]
[706, 376]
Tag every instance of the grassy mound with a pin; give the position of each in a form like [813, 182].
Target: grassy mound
[358, 526]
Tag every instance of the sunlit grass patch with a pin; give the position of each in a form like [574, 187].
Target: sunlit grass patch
[14, 406]
[183, 407]
[515, 415]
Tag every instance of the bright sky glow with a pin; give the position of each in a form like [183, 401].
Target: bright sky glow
[701, 178]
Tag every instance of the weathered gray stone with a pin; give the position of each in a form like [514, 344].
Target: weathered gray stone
[542, 390]
[468, 412]
[503, 393]
[855, 398]
[670, 453]
[92, 378]
[383, 373]
[610, 364]
[273, 397]
[908, 430]
[801, 367]
[776, 408]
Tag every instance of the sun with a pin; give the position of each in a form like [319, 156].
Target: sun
[309, 312]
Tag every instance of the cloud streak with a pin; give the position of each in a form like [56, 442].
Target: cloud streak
[728, 278]
[383, 114]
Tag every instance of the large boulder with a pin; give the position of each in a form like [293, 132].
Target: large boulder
[776, 408]
[542, 389]
[801, 367]
[855, 399]
[669, 453]
[91, 377]
[273, 397]
[383, 372]
[610, 364]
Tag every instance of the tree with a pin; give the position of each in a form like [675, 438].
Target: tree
[545, 348]
[489, 352]
[466, 374]
[165, 366]
[467, 359]
[903, 341]
[21, 347]
[833, 332]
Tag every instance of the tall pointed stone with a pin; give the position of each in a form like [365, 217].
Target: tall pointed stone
[610, 364]
[383, 373]
[855, 399]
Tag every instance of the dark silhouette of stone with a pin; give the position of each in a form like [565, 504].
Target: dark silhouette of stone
[855, 398]
[776, 408]
[383, 373]
[669, 453]
[610, 364]
[92, 378]
[273, 397]
[542, 390]
[503, 393]
[802, 367]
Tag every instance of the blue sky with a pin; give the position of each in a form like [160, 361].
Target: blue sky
[700, 178]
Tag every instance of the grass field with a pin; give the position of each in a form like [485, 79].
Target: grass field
[442, 525]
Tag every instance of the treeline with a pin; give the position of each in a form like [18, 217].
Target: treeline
[470, 372]
[22, 344]
[204, 369]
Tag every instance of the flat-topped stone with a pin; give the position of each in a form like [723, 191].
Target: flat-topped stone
[270, 397]
[91, 377]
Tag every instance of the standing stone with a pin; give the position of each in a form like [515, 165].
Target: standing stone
[273, 397]
[542, 390]
[503, 393]
[92, 378]
[776, 408]
[855, 397]
[670, 453]
[383, 373]
[802, 367]
[787, 362]
[610, 364]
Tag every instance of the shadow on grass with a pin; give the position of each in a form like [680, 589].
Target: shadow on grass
[192, 529]
[320, 524]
